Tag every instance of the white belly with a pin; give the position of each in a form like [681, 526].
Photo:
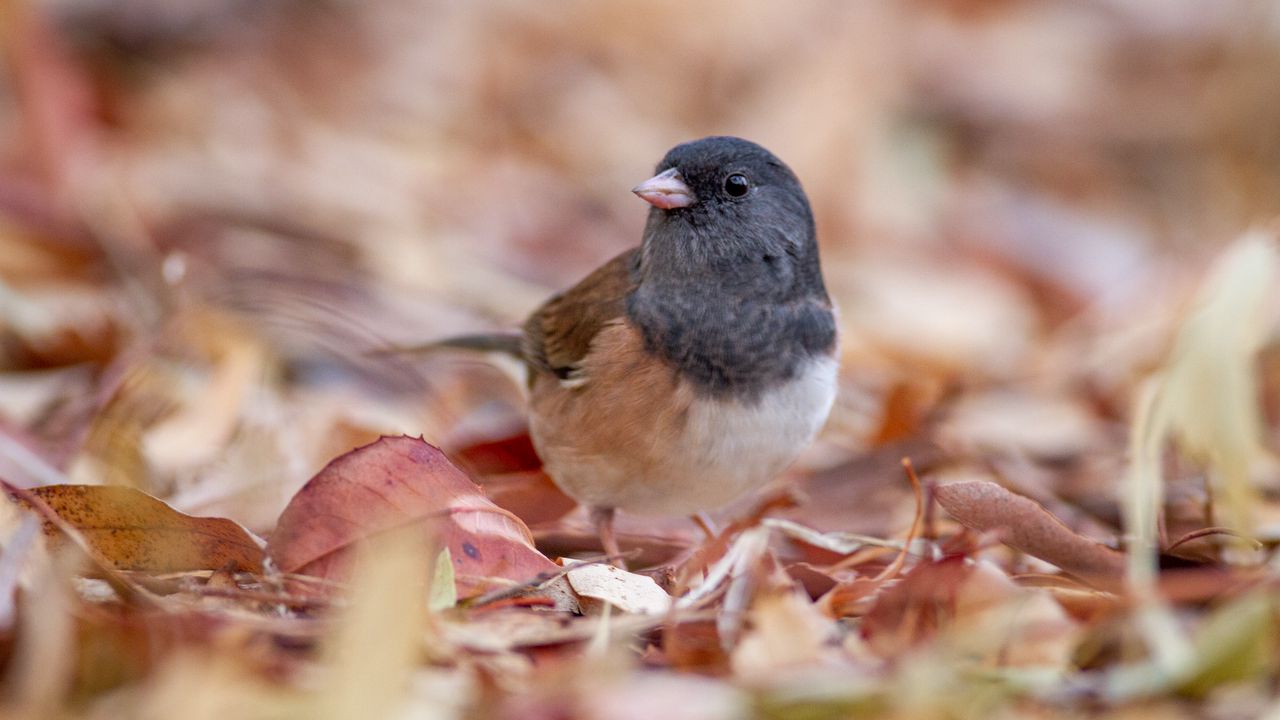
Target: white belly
[723, 450]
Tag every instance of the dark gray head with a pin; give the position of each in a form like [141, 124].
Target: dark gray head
[726, 211]
[729, 288]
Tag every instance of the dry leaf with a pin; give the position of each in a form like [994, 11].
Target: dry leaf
[135, 531]
[1011, 625]
[1001, 422]
[1206, 397]
[399, 481]
[624, 590]
[511, 474]
[374, 647]
[1026, 526]
[913, 609]
[787, 631]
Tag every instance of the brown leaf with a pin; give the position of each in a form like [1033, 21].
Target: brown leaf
[912, 610]
[399, 481]
[532, 495]
[978, 608]
[693, 646]
[135, 531]
[1024, 525]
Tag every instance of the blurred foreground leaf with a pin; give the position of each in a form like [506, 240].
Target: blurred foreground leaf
[1237, 642]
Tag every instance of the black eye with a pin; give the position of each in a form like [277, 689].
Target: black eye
[737, 185]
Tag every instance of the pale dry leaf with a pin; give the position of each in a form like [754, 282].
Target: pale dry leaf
[786, 632]
[18, 545]
[742, 554]
[42, 665]
[1006, 421]
[627, 591]
[1009, 625]
[377, 642]
[1206, 397]
[951, 317]
[837, 542]
[211, 408]
[667, 695]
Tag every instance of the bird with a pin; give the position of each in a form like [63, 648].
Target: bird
[693, 368]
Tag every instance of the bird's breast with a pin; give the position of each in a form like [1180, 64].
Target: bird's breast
[733, 447]
[639, 435]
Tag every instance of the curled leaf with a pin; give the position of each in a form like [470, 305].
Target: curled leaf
[1024, 525]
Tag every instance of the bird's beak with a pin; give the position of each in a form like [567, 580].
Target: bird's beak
[665, 190]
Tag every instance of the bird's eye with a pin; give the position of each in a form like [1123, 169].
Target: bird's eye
[737, 185]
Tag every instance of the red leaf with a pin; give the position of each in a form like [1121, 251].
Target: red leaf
[911, 611]
[532, 496]
[511, 474]
[506, 455]
[392, 483]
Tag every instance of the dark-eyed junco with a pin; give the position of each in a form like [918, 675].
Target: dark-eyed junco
[694, 368]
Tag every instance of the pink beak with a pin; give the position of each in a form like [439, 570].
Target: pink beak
[665, 190]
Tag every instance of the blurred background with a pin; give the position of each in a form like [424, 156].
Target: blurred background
[212, 210]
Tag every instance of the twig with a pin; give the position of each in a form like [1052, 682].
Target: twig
[917, 522]
[1205, 532]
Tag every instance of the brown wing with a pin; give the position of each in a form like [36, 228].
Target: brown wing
[558, 334]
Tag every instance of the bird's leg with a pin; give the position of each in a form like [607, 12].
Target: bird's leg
[603, 519]
[705, 522]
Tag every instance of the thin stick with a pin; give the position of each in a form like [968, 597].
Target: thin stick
[895, 567]
[1204, 532]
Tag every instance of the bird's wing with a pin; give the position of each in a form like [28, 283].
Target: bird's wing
[558, 335]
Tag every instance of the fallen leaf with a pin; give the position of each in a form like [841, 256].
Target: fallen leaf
[398, 481]
[374, 646]
[667, 695]
[627, 591]
[1026, 526]
[1235, 643]
[908, 612]
[1007, 422]
[511, 474]
[135, 531]
[491, 457]
[694, 646]
[787, 631]
[1010, 625]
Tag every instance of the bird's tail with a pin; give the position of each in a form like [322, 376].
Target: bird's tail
[505, 343]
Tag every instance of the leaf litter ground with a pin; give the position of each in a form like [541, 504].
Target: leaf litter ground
[1057, 302]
